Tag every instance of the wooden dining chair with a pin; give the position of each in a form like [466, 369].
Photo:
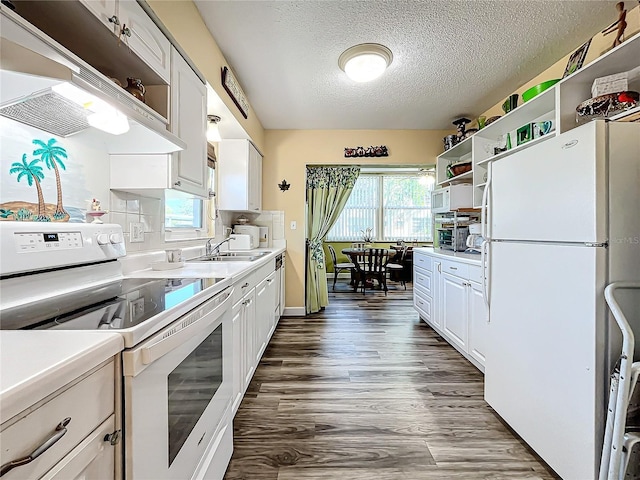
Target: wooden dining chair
[371, 265]
[396, 264]
[338, 267]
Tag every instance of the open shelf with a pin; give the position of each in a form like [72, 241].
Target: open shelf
[576, 88]
[631, 115]
[543, 105]
[463, 176]
[530, 143]
[459, 150]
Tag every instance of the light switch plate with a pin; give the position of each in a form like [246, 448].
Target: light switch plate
[294, 224]
[137, 232]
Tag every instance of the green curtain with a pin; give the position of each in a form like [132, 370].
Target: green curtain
[328, 189]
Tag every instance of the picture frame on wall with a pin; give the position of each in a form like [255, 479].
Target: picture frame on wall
[231, 85]
[577, 59]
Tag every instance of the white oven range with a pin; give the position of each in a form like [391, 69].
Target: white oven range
[177, 365]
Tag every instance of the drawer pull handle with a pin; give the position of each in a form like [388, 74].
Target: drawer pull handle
[60, 431]
[245, 285]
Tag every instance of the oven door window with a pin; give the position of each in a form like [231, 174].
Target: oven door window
[191, 386]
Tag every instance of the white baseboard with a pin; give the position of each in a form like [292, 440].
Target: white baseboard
[293, 312]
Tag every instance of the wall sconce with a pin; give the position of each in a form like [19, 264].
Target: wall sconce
[213, 133]
[284, 186]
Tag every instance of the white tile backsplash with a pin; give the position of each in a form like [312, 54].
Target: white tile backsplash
[120, 219]
[133, 205]
[118, 202]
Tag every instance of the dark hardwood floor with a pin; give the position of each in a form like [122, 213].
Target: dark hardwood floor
[365, 390]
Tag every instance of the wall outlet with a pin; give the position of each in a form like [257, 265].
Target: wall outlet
[294, 224]
[137, 232]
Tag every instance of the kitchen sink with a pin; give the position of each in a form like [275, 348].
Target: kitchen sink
[231, 257]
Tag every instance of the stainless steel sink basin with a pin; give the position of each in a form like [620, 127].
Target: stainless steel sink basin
[231, 257]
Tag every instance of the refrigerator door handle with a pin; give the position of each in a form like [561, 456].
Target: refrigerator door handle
[485, 273]
[484, 220]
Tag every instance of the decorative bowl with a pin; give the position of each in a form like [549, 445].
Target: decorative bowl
[604, 106]
[459, 168]
[490, 120]
[538, 89]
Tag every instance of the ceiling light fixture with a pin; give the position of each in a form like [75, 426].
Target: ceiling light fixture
[213, 133]
[365, 62]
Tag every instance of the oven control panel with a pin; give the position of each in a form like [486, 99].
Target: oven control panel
[40, 242]
[44, 246]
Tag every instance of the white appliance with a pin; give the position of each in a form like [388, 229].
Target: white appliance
[251, 230]
[452, 198]
[562, 224]
[177, 332]
[240, 241]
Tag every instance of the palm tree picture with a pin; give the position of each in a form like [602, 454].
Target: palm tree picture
[33, 173]
[52, 155]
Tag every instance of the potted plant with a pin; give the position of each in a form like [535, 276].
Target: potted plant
[367, 236]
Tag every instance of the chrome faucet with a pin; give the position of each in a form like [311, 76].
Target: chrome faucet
[214, 249]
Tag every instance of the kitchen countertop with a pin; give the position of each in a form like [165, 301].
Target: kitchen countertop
[470, 258]
[36, 363]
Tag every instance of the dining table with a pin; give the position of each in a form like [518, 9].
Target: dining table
[354, 254]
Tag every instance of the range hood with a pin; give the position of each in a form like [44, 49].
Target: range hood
[44, 85]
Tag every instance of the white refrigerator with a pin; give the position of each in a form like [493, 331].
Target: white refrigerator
[563, 222]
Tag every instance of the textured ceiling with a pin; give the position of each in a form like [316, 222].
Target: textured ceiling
[450, 57]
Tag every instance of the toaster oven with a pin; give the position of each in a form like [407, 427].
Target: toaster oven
[453, 238]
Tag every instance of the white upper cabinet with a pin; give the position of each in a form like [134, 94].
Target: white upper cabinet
[239, 176]
[145, 38]
[106, 11]
[185, 170]
[188, 120]
[127, 20]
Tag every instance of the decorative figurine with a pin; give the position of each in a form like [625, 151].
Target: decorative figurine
[619, 25]
[461, 126]
[96, 211]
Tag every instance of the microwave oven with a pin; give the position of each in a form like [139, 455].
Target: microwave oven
[451, 198]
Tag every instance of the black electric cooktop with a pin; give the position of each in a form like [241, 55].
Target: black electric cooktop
[111, 306]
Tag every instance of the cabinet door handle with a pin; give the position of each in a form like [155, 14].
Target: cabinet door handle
[453, 268]
[439, 268]
[270, 280]
[114, 20]
[245, 285]
[60, 431]
[126, 31]
[178, 183]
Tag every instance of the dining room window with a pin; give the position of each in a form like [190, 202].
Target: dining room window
[394, 205]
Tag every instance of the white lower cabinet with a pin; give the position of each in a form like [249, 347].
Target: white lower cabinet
[455, 307]
[448, 296]
[71, 433]
[93, 459]
[254, 320]
[243, 320]
[265, 307]
[478, 323]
